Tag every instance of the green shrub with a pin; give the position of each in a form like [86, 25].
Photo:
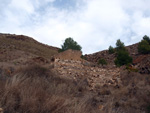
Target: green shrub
[123, 58]
[146, 38]
[102, 62]
[111, 50]
[70, 44]
[120, 45]
[144, 47]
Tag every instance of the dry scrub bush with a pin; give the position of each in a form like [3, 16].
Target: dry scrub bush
[38, 90]
[133, 96]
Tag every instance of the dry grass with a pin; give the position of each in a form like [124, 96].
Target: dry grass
[133, 95]
[38, 90]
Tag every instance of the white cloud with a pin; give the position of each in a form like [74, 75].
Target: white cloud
[94, 24]
[22, 5]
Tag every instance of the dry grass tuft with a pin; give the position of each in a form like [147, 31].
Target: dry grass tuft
[38, 90]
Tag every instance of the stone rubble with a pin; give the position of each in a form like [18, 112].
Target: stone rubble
[95, 76]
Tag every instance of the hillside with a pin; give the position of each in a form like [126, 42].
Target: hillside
[35, 78]
[140, 61]
[132, 49]
[19, 50]
[25, 44]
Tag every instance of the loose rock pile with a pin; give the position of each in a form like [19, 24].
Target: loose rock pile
[95, 76]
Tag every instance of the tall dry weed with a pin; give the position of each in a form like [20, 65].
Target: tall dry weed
[38, 90]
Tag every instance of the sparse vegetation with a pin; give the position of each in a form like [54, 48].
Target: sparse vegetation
[130, 68]
[70, 44]
[102, 62]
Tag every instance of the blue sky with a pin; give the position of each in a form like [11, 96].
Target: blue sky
[94, 24]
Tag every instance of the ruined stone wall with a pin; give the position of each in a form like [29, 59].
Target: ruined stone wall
[69, 55]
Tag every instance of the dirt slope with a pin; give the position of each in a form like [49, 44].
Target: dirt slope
[26, 44]
[18, 50]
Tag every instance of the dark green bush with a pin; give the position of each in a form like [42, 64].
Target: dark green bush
[146, 38]
[111, 50]
[70, 44]
[123, 58]
[83, 57]
[144, 47]
[120, 45]
[102, 62]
